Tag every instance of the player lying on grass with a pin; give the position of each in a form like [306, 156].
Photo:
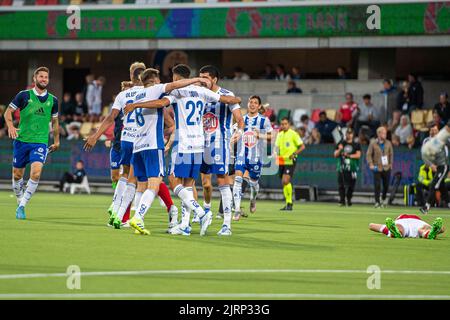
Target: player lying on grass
[409, 226]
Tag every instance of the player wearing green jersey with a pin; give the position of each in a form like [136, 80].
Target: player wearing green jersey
[37, 108]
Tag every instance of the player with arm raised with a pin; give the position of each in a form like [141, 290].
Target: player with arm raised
[250, 152]
[188, 104]
[217, 122]
[435, 153]
[37, 108]
[127, 134]
[148, 149]
[409, 226]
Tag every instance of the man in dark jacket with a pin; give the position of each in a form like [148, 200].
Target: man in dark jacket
[325, 127]
[415, 92]
[76, 177]
[443, 107]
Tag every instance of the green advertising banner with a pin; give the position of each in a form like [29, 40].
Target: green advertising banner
[303, 21]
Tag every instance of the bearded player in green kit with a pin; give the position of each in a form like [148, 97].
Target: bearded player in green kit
[37, 108]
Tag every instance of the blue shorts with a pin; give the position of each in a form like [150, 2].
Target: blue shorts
[186, 165]
[148, 164]
[25, 153]
[253, 168]
[126, 152]
[216, 160]
[114, 158]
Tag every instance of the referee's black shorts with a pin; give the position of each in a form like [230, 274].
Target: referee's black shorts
[286, 169]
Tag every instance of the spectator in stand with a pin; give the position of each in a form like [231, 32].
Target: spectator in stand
[67, 108]
[393, 123]
[403, 135]
[415, 92]
[269, 73]
[341, 73]
[295, 73]
[325, 127]
[75, 177]
[94, 98]
[306, 123]
[302, 133]
[443, 107]
[368, 115]
[292, 87]
[281, 73]
[80, 109]
[388, 87]
[314, 138]
[403, 103]
[88, 79]
[437, 120]
[73, 131]
[239, 74]
[348, 110]
[390, 92]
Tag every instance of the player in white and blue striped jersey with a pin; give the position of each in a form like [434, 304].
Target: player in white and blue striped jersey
[188, 146]
[217, 122]
[148, 147]
[250, 152]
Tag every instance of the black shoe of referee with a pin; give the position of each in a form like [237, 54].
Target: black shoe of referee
[287, 207]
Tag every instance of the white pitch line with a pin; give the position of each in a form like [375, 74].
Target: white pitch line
[211, 271]
[217, 295]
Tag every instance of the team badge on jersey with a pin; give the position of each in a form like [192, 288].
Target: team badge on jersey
[210, 122]
[249, 139]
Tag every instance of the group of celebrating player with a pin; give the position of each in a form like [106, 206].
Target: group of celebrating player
[192, 119]
[200, 139]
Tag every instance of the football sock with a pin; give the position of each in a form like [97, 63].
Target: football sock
[254, 189]
[127, 198]
[114, 185]
[237, 193]
[146, 202]
[18, 187]
[227, 198]
[137, 199]
[164, 194]
[287, 190]
[185, 215]
[31, 189]
[118, 193]
[187, 196]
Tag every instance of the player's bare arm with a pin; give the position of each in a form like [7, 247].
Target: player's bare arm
[240, 123]
[153, 104]
[186, 82]
[169, 123]
[106, 123]
[55, 126]
[12, 131]
[230, 100]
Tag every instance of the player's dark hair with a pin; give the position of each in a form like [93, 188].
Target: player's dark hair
[182, 70]
[256, 97]
[211, 70]
[367, 96]
[44, 69]
[81, 161]
[148, 75]
[287, 119]
[304, 117]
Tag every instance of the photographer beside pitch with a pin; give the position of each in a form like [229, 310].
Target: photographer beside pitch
[348, 153]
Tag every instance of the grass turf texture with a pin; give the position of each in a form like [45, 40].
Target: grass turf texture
[63, 230]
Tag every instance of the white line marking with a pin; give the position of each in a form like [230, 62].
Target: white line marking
[217, 295]
[211, 271]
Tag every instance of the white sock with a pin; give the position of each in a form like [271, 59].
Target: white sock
[146, 202]
[227, 199]
[206, 205]
[127, 197]
[237, 193]
[31, 189]
[118, 193]
[18, 188]
[254, 189]
[137, 199]
[187, 196]
[185, 215]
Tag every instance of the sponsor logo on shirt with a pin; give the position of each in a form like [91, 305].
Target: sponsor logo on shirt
[249, 139]
[210, 122]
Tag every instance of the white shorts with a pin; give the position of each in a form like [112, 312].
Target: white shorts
[411, 226]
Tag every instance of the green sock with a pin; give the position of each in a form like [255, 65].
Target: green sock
[287, 191]
[114, 185]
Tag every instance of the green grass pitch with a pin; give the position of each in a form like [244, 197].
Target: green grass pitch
[316, 251]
